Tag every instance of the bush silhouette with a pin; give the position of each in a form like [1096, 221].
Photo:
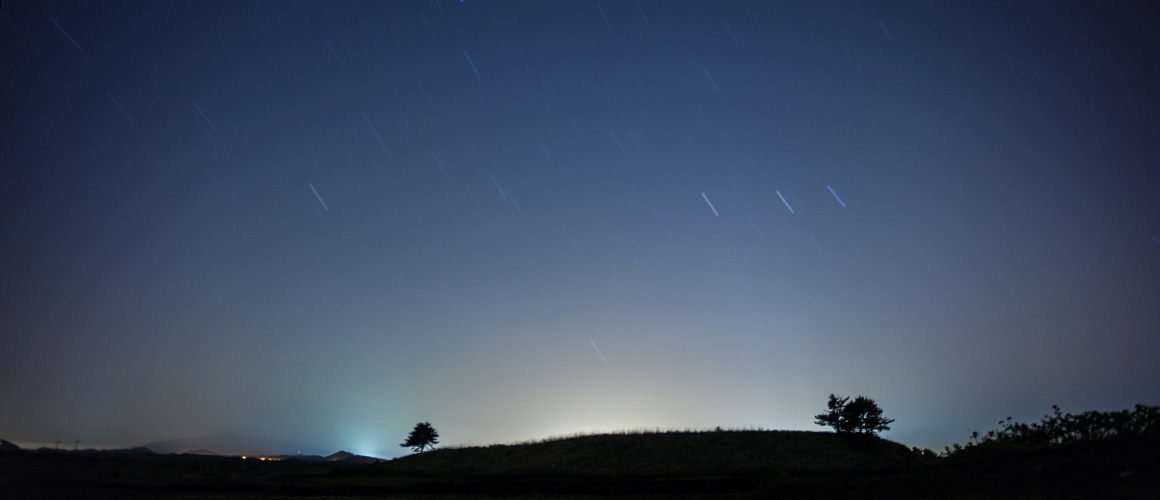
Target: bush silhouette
[861, 415]
[1065, 429]
[423, 436]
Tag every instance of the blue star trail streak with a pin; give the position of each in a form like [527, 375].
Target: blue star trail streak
[203, 116]
[831, 192]
[376, 132]
[602, 358]
[785, 202]
[66, 35]
[335, 54]
[710, 204]
[472, 63]
[440, 165]
[316, 195]
[118, 105]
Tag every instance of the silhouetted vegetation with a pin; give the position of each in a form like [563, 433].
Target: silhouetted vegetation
[1060, 429]
[861, 415]
[722, 465]
[423, 436]
[1088, 455]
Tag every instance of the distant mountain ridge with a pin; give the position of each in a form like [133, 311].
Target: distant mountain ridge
[230, 443]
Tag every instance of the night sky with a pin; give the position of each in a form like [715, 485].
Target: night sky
[326, 221]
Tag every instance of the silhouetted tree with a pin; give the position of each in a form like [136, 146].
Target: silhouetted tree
[423, 436]
[861, 415]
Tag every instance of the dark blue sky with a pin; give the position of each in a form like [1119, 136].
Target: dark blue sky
[325, 221]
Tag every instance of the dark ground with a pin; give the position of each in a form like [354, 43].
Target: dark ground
[591, 467]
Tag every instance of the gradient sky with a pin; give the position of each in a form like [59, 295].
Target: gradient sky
[327, 221]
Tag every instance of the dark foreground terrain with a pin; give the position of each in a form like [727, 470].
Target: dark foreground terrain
[722, 465]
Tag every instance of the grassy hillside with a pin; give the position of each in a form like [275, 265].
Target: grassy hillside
[728, 465]
[668, 454]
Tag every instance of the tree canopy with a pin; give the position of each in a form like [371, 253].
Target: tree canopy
[423, 436]
[861, 415]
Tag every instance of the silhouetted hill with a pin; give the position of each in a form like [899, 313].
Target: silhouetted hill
[668, 454]
[6, 445]
[228, 443]
[350, 458]
[202, 451]
[722, 466]
[339, 455]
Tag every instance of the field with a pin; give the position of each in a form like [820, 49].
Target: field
[691, 465]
